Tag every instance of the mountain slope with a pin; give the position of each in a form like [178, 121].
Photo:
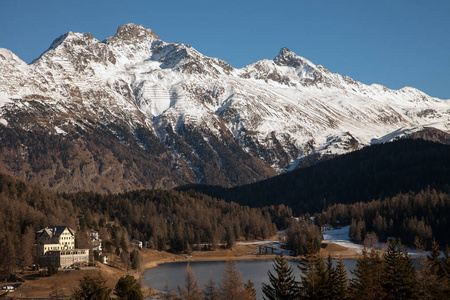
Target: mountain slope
[373, 172]
[134, 111]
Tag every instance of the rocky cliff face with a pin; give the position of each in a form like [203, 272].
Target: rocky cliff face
[134, 111]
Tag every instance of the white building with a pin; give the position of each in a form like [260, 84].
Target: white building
[55, 238]
[56, 247]
[95, 240]
[136, 243]
[93, 234]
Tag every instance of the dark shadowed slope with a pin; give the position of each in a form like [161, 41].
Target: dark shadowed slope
[373, 172]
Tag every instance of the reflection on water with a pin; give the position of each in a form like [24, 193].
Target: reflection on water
[256, 271]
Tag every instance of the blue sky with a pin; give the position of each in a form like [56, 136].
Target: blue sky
[393, 43]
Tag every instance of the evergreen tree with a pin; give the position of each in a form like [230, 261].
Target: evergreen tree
[430, 286]
[193, 290]
[8, 258]
[433, 258]
[366, 283]
[445, 264]
[92, 288]
[432, 283]
[300, 235]
[282, 284]
[128, 288]
[399, 274]
[250, 290]
[232, 287]
[314, 283]
[340, 281]
[125, 260]
[210, 290]
[167, 294]
[26, 249]
[329, 277]
[136, 259]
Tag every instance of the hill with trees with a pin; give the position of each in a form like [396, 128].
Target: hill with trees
[408, 216]
[374, 172]
[165, 219]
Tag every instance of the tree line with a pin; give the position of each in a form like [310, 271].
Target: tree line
[301, 234]
[373, 172]
[165, 220]
[378, 275]
[388, 275]
[95, 287]
[178, 219]
[408, 216]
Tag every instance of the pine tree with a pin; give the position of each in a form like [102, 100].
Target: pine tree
[329, 277]
[167, 294]
[92, 287]
[8, 257]
[432, 279]
[445, 264]
[128, 288]
[210, 290]
[399, 274]
[314, 283]
[232, 287]
[429, 285]
[193, 290]
[340, 281]
[26, 249]
[250, 290]
[282, 284]
[433, 258]
[368, 276]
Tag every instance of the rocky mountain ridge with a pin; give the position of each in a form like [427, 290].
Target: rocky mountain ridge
[133, 112]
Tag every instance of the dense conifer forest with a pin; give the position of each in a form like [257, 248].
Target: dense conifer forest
[370, 173]
[408, 216]
[167, 220]
[179, 219]
[408, 178]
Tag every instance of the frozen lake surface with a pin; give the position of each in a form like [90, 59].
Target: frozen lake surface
[340, 237]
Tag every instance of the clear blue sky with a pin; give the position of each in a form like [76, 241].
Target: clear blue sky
[395, 43]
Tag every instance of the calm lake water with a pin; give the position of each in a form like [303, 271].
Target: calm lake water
[256, 271]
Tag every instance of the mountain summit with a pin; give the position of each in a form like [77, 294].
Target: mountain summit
[288, 58]
[134, 32]
[133, 111]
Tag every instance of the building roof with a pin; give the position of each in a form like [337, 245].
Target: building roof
[55, 230]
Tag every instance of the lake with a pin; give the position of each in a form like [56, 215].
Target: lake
[256, 271]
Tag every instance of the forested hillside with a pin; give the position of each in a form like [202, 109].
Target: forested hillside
[374, 172]
[181, 219]
[424, 215]
[166, 219]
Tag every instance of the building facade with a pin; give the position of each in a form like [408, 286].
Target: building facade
[56, 247]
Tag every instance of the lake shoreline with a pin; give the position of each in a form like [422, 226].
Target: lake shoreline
[327, 248]
[67, 280]
[169, 274]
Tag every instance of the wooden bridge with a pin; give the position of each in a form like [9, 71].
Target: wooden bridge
[268, 249]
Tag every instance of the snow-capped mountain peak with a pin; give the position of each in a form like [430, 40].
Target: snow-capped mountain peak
[7, 58]
[134, 33]
[216, 124]
[287, 57]
[73, 38]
